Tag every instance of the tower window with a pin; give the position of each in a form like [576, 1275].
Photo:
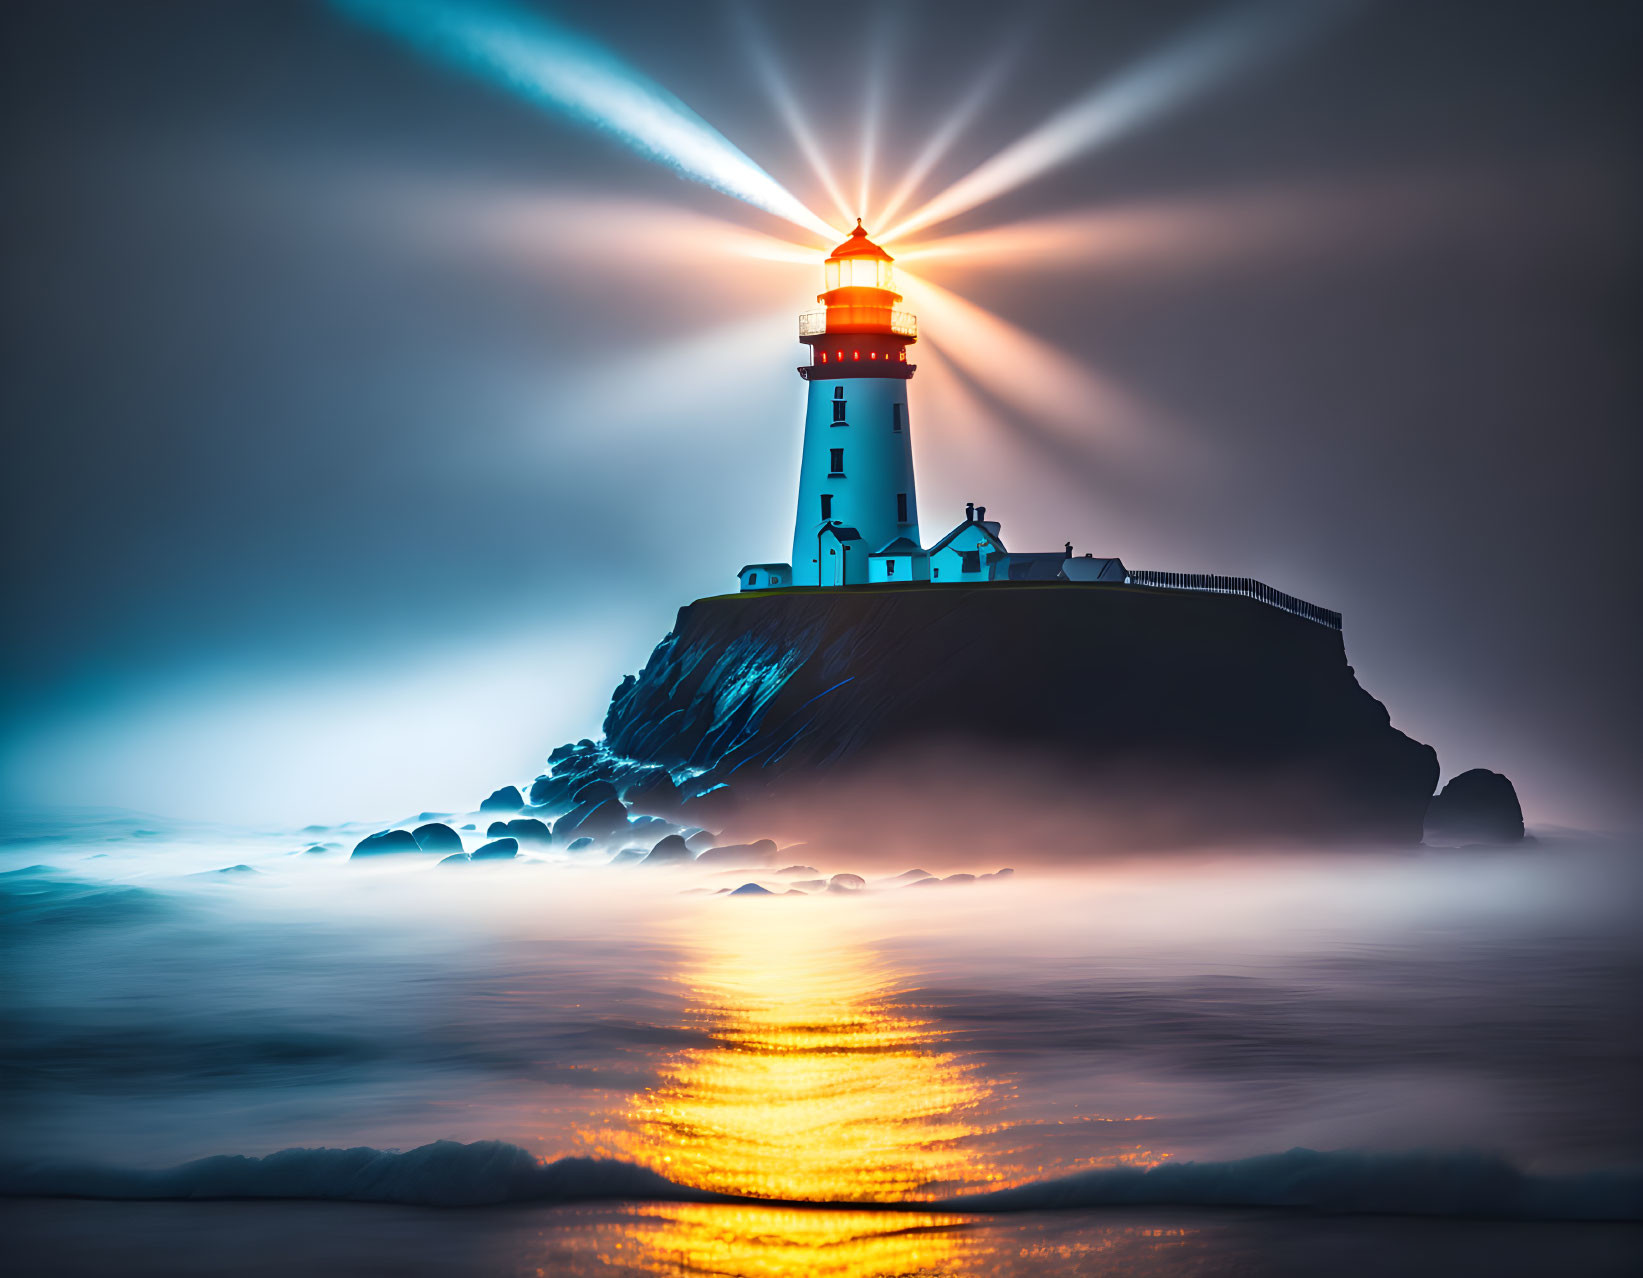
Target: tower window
[827, 505]
[969, 560]
[889, 567]
[895, 416]
[901, 508]
[836, 456]
[838, 412]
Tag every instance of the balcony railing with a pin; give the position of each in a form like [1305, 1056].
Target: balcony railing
[857, 319]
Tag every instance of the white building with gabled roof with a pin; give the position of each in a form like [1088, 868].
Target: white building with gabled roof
[898, 562]
[961, 556]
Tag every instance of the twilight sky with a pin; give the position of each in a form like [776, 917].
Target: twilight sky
[367, 420]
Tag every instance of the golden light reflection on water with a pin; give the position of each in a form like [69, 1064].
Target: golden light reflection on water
[758, 1242]
[817, 1081]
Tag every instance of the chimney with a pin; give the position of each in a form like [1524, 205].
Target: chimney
[969, 511]
[1069, 553]
[981, 514]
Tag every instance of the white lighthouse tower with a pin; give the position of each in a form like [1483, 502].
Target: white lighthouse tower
[856, 493]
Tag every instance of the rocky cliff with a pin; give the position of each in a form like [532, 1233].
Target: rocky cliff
[1202, 717]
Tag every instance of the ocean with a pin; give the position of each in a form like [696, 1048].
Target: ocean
[223, 1051]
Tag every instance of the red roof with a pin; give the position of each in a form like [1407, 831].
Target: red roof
[858, 245]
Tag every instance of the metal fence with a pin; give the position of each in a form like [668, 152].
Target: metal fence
[1247, 586]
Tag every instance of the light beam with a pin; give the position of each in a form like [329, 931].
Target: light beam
[550, 64]
[781, 95]
[1232, 44]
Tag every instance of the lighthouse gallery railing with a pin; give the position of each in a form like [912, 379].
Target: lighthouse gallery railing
[902, 323]
[1247, 586]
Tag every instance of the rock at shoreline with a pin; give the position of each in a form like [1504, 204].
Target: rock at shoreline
[599, 818]
[740, 856]
[436, 836]
[500, 850]
[507, 799]
[528, 830]
[669, 851]
[386, 843]
[1476, 807]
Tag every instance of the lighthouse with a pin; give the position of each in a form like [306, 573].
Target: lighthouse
[856, 493]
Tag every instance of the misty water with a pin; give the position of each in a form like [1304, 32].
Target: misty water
[901, 1045]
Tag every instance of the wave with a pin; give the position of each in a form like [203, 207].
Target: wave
[487, 1173]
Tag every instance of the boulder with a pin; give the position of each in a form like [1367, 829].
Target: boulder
[529, 830]
[700, 840]
[1476, 807]
[846, 883]
[436, 836]
[579, 845]
[595, 791]
[497, 830]
[712, 805]
[507, 799]
[669, 851]
[741, 855]
[653, 792]
[498, 850]
[460, 858]
[386, 843]
[554, 792]
[598, 819]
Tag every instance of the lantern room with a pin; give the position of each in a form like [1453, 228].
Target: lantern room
[859, 293]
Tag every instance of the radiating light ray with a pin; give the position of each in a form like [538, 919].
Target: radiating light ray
[530, 54]
[776, 85]
[1233, 43]
[608, 233]
[1030, 374]
[876, 69]
[981, 91]
[1234, 227]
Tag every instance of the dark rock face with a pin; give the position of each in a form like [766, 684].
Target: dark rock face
[653, 793]
[528, 830]
[507, 799]
[597, 819]
[741, 855]
[436, 836]
[669, 851]
[499, 850]
[1221, 716]
[386, 843]
[1475, 807]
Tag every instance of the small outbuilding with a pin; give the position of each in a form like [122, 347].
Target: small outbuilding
[898, 562]
[765, 576]
[1089, 568]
